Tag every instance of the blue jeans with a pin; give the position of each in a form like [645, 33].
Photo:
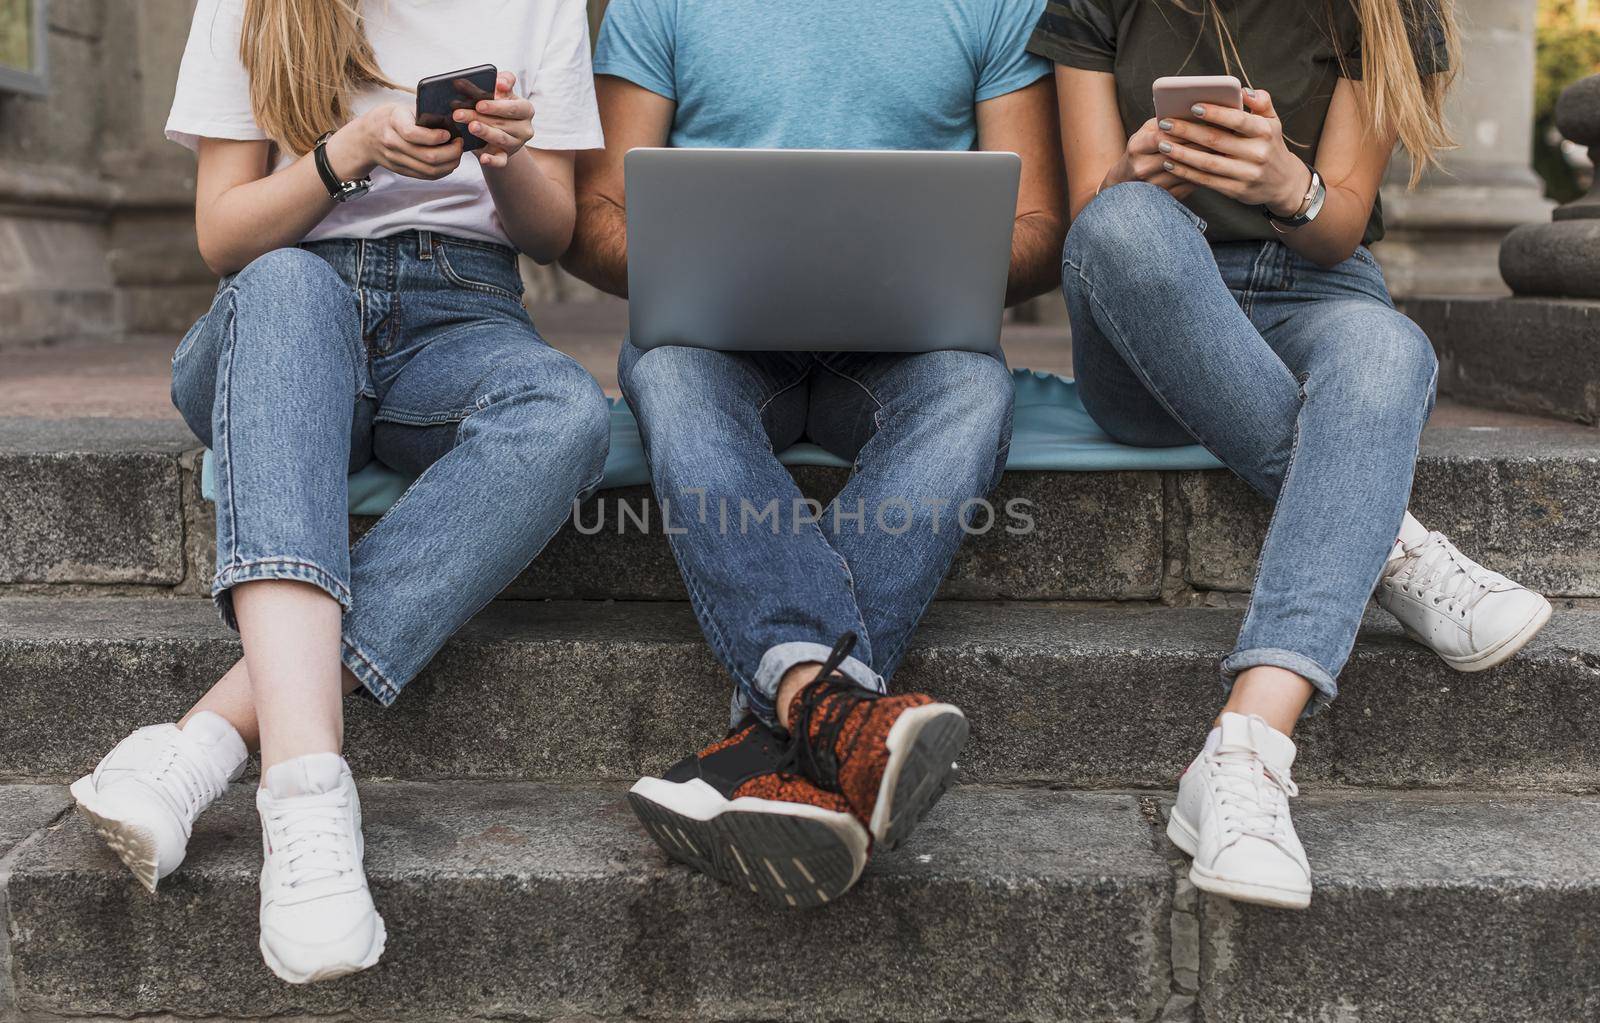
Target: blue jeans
[1304, 381]
[775, 582]
[414, 350]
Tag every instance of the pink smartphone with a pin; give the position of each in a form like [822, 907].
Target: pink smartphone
[1176, 94]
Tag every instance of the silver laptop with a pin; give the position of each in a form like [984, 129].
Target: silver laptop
[803, 250]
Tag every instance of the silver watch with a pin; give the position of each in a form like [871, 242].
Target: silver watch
[1310, 208]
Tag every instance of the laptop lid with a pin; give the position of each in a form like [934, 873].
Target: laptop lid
[804, 250]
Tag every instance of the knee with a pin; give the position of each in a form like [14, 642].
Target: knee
[291, 305]
[570, 412]
[967, 394]
[287, 272]
[582, 418]
[1386, 367]
[672, 379]
[1126, 223]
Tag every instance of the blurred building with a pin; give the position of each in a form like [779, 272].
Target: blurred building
[96, 234]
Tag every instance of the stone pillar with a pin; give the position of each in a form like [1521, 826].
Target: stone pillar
[1444, 237]
[1563, 256]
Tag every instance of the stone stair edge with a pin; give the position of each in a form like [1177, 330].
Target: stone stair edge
[96, 523]
[1096, 697]
[500, 870]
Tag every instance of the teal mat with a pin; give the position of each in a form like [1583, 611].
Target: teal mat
[1051, 433]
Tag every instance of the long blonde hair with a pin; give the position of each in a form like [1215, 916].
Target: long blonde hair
[306, 60]
[1398, 97]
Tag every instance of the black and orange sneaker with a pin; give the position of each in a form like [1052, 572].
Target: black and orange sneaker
[731, 811]
[891, 757]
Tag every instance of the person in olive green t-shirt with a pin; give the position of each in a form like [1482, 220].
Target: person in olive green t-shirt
[1220, 291]
[1299, 49]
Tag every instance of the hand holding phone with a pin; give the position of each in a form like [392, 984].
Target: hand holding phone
[504, 122]
[440, 96]
[1236, 151]
[478, 105]
[386, 136]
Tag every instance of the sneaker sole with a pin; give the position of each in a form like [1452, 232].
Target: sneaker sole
[792, 855]
[1507, 649]
[332, 972]
[134, 845]
[1188, 840]
[923, 745]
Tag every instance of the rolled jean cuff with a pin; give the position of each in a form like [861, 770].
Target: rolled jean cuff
[762, 695]
[375, 682]
[293, 569]
[1325, 689]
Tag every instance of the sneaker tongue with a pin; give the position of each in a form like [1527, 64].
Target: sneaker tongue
[215, 733]
[309, 775]
[1241, 732]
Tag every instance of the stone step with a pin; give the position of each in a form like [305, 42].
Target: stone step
[1540, 356]
[113, 506]
[537, 901]
[1093, 697]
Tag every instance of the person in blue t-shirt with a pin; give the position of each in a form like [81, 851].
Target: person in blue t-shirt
[812, 615]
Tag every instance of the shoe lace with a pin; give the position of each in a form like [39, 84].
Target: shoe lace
[818, 715]
[186, 778]
[1437, 571]
[1253, 797]
[315, 839]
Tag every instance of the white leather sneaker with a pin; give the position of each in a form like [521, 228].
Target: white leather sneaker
[317, 917]
[1232, 816]
[1471, 617]
[144, 797]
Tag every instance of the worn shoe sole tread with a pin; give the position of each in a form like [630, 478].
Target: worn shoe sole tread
[134, 845]
[790, 861]
[923, 745]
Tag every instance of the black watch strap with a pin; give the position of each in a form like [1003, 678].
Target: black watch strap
[338, 191]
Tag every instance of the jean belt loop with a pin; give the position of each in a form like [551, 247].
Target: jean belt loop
[424, 244]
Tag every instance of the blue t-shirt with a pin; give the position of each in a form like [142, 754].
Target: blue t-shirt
[823, 74]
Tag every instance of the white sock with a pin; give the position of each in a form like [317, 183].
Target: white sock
[215, 733]
[1213, 738]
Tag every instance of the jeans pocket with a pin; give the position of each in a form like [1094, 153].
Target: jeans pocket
[481, 269]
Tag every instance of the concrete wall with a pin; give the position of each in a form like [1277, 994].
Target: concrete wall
[95, 208]
[96, 232]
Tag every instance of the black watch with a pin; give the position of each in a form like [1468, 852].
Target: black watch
[338, 191]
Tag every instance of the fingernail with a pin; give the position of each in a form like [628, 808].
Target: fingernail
[1198, 110]
[1251, 93]
[1167, 166]
[1164, 125]
[1165, 147]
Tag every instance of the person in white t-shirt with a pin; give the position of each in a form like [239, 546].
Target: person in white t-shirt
[369, 309]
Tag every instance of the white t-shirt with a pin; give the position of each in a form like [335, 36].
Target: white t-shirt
[545, 43]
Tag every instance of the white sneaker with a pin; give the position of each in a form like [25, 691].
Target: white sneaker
[1232, 816]
[144, 797]
[317, 917]
[1471, 617]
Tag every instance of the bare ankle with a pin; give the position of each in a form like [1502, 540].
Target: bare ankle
[794, 680]
[1275, 695]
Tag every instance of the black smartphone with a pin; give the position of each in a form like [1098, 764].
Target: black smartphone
[440, 96]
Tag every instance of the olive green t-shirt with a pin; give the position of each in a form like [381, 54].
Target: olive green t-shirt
[1297, 50]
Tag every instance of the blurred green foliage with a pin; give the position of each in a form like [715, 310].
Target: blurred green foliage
[16, 33]
[1569, 49]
